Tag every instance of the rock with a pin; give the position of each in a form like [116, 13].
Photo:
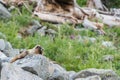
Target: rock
[11, 8]
[4, 12]
[2, 55]
[57, 72]
[108, 58]
[90, 78]
[5, 45]
[34, 27]
[8, 45]
[4, 58]
[14, 72]
[104, 74]
[0, 67]
[71, 74]
[108, 44]
[2, 44]
[35, 22]
[51, 31]
[12, 52]
[36, 64]
[93, 40]
[41, 32]
[30, 30]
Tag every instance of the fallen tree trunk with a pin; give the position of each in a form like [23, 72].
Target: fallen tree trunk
[56, 19]
[97, 4]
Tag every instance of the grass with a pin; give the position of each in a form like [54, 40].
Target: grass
[72, 54]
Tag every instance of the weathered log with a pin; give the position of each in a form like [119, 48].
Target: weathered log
[56, 19]
[95, 4]
[110, 20]
[105, 13]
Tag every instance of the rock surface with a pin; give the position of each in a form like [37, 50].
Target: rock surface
[2, 44]
[58, 72]
[104, 74]
[36, 64]
[13, 72]
[11, 52]
[108, 58]
[4, 12]
[90, 78]
[5, 45]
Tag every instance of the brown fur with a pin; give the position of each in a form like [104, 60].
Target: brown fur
[36, 50]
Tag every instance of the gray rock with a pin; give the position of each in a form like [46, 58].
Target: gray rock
[36, 64]
[51, 31]
[5, 45]
[108, 44]
[4, 58]
[57, 72]
[2, 44]
[108, 58]
[104, 74]
[90, 78]
[35, 22]
[35, 26]
[4, 12]
[41, 31]
[12, 52]
[32, 29]
[14, 72]
[0, 66]
[2, 55]
[71, 74]
[8, 45]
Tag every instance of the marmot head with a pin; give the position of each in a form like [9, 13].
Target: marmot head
[38, 49]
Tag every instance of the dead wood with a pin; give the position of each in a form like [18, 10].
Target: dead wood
[93, 25]
[105, 13]
[97, 4]
[56, 18]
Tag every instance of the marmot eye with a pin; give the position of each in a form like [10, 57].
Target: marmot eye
[38, 47]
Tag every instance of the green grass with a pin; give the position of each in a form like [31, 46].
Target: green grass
[69, 53]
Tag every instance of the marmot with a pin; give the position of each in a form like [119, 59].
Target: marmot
[36, 50]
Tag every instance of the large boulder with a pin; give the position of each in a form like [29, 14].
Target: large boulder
[36, 64]
[2, 55]
[11, 52]
[4, 12]
[14, 72]
[2, 44]
[104, 74]
[57, 72]
[90, 78]
[5, 45]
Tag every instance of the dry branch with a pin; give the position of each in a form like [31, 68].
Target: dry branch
[56, 19]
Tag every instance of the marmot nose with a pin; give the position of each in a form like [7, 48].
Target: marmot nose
[42, 49]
